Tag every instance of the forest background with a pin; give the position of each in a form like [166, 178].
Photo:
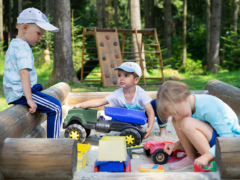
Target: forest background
[199, 38]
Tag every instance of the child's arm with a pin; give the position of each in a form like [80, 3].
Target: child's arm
[151, 118]
[93, 103]
[26, 85]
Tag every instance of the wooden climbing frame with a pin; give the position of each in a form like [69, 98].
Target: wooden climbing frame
[109, 55]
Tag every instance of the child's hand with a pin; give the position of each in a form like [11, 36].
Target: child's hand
[148, 131]
[169, 148]
[32, 105]
[204, 160]
[76, 106]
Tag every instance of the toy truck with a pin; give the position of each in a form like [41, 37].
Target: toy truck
[79, 122]
[155, 150]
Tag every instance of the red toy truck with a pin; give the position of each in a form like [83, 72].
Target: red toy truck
[155, 150]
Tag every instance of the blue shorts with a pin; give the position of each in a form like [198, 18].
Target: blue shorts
[212, 142]
[161, 122]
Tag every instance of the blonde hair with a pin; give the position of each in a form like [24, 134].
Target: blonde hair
[168, 96]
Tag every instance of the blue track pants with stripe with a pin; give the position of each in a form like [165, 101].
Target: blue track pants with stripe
[46, 104]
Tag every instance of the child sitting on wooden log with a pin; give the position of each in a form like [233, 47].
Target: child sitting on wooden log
[130, 95]
[198, 121]
[20, 78]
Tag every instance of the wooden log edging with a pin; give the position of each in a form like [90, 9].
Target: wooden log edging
[228, 157]
[75, 98]
[148, 176]
[17, 122]
[227, 93]
[23, 158]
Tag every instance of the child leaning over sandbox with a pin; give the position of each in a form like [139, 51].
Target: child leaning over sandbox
[130, 95]
[20, 78]
[198, 121]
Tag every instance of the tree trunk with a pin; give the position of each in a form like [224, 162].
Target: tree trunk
[19, 6]
[147, 13]
[184, 32]
[1, 20]
[168, 26]
[136, 24]
[104, 13]
[208, 27]
[41, 5]
[235, 15]
[225, 27]
[152, 14]
[47, 7]
[99, 14]
[63, 65]
[115, 13]
[10, 19]
[215, 36]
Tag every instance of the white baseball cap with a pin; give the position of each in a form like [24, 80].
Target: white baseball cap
[33, 15]
[130, 67]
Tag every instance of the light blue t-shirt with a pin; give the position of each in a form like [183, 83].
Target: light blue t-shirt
[218, 114]
[140, 99]
[19, 56]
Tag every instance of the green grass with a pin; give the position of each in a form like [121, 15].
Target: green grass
[195, 81]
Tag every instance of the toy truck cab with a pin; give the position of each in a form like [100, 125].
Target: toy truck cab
[79, 122]
[155, 150]
[76, 123]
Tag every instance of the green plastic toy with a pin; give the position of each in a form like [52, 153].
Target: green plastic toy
[129, 149]
[212, 167]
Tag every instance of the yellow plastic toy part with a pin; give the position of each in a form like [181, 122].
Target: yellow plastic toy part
[83, 150]
[112, 148]
[150, 168]
[74, 134]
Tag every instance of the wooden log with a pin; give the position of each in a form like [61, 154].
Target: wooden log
[147, 176]
[41, 130]
[17, 122]
[227, 93]
[75, 98]
[24, 158]
[228, 157]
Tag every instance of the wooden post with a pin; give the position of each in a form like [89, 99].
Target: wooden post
[17, 122]
[23, 158]
[227, 93]
[228, 157]
[159, 54]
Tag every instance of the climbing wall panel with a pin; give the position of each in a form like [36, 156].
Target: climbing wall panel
[109, 55]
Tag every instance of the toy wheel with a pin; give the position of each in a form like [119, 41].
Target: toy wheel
[77, 132]
[88, 132]
[147, 152]
[133, 137]
[159, 157]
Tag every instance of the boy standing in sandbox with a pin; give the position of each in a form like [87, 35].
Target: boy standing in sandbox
[20, 78]
[130, 95]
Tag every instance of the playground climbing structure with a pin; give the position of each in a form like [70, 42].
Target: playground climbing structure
[101, 53]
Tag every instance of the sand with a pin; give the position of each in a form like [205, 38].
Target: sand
[139, 156]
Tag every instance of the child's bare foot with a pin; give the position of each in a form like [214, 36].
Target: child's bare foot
[163, 131]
